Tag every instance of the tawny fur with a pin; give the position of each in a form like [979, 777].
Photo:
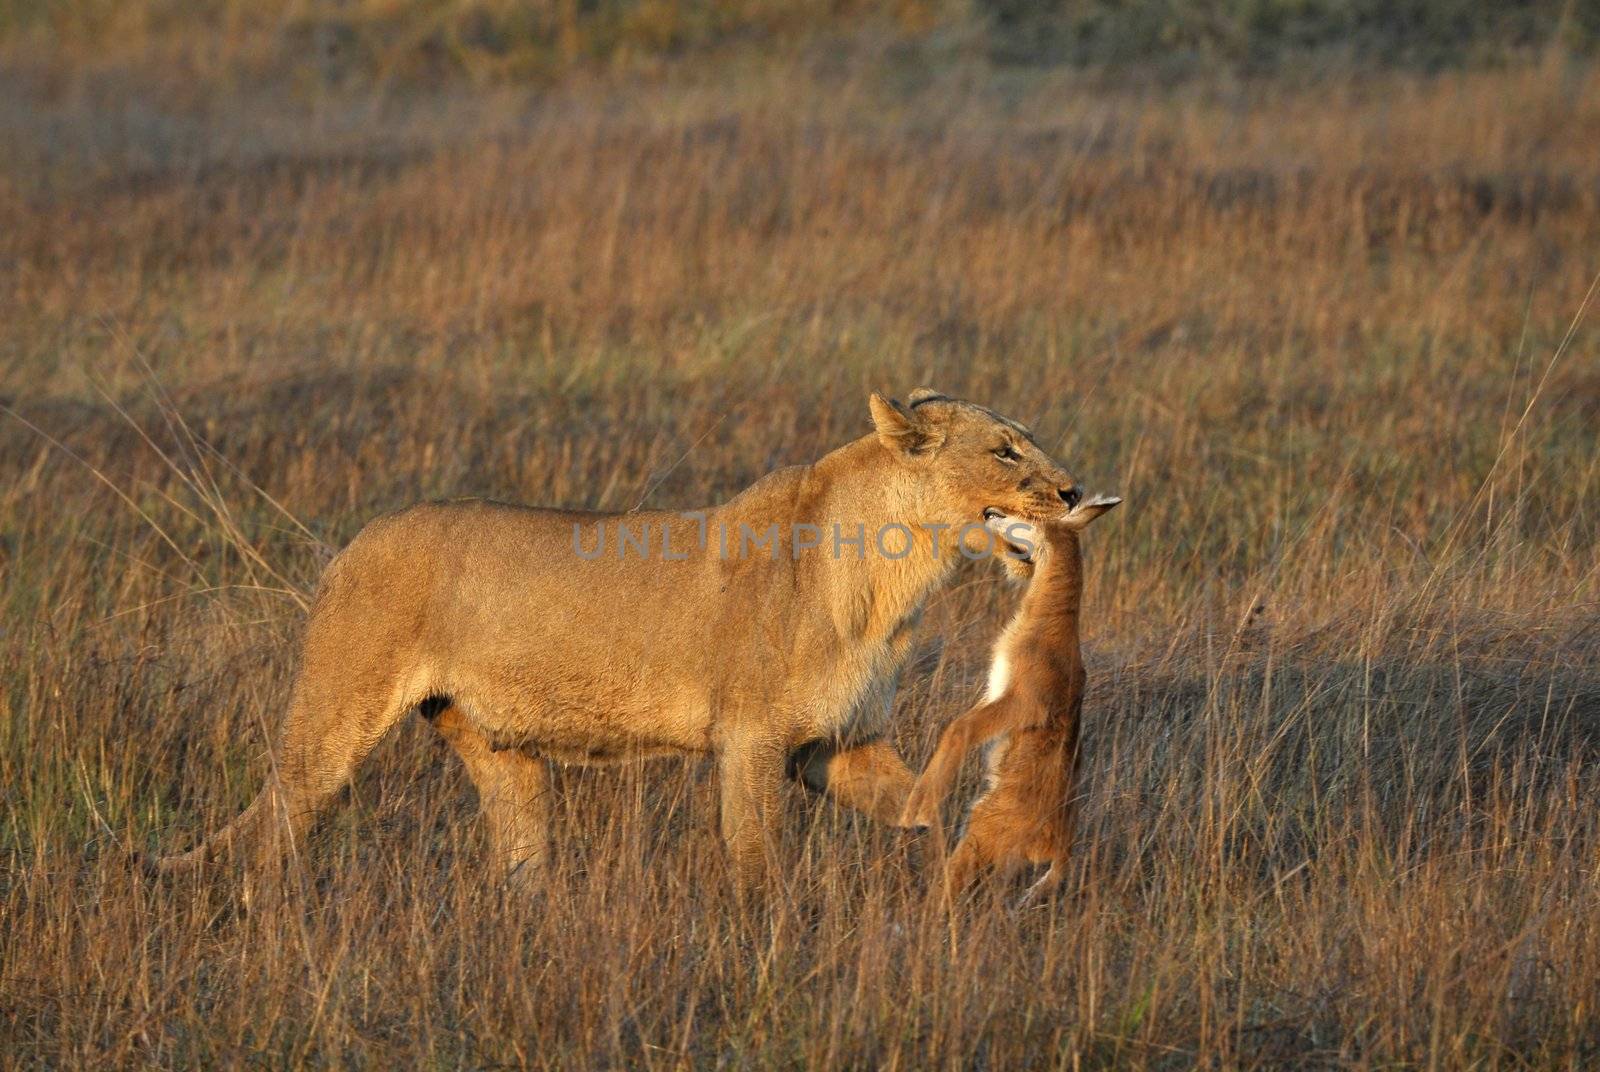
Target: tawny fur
[1030, 716]
[484, 617]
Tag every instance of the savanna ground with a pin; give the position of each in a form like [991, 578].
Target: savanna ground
[1325, 334]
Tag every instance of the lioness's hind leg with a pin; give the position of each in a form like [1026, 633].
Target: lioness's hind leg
[513, 792]
[326, 736]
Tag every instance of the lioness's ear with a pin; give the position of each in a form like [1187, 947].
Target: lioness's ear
[898, 428]
[925, 394]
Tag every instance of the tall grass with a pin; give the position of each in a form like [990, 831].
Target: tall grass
[1343, 638]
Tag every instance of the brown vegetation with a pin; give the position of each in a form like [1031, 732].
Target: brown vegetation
[1340, 746]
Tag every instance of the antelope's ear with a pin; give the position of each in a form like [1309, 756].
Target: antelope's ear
[899, 428]
[1091, 508]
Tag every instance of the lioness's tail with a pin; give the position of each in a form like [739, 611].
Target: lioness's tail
[315, 760]
[245, 831]
[347, 695]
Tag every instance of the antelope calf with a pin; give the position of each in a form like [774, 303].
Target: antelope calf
[1029, 716]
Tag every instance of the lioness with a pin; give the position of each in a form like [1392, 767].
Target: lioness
[767, 631]
[1031, 714]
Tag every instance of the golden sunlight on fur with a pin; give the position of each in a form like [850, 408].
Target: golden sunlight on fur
[522, 639]
[1030, 718]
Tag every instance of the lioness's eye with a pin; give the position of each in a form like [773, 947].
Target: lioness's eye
[1007, 453]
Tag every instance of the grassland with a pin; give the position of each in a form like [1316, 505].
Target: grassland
[500, 41]
[1326, 337]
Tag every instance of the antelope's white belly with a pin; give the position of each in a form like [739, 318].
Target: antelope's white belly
[999, 675]
[999, 680]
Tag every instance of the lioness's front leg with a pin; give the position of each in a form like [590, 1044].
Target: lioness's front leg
[750, 767]
[869, 777]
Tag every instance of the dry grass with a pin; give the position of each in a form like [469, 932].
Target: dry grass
[1308, 333]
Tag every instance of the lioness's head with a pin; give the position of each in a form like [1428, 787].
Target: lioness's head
[983, 466]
